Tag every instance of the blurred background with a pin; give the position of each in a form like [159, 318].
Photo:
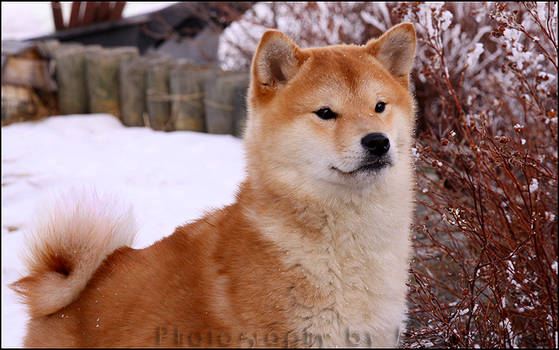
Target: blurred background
[148, 100]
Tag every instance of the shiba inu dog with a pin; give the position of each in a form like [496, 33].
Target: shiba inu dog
[314, 252]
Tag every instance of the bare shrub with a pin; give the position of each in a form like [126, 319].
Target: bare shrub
[484, 273]
[485, 266]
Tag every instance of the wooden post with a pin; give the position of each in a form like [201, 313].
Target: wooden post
[102, 78]
[71, 78]
[219, 101]
[132, 91]
[157, 93]
[187, 91]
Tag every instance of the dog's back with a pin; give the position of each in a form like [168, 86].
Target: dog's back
[186, 289]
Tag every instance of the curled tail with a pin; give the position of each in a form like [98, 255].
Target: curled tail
[68, 246]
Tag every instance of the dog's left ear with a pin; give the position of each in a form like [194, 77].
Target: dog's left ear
[276, 60]
[395, 49]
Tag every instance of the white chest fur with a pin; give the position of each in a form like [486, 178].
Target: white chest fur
[355, 290]
[350, 286]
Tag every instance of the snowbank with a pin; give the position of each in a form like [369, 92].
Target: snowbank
[169, 178]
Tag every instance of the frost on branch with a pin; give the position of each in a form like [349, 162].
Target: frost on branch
[309, 24]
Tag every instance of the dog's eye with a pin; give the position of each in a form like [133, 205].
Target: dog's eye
[325, 113]
[379, 108]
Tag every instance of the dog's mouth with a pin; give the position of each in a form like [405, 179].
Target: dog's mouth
[369, 167]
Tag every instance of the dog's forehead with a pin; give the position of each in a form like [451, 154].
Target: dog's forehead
[347, 74]
[347, 67]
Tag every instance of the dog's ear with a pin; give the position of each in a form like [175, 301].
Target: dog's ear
[395, 49]
[276, 60]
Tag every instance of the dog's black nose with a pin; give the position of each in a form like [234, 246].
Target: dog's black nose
[376, 143]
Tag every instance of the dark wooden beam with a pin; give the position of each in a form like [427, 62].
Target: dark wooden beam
[103, 11]
[90, 11]
[57, 15]
[116, 11]
[75, 14]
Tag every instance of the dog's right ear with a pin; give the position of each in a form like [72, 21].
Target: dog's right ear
[276, 60]
[395, 50]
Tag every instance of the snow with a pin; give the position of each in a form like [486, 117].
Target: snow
[473, 56]
[445, 20]
[534, 184]
[415, 153]
[169, 178]
[432, 11]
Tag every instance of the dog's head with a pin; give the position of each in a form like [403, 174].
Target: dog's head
[338, 115]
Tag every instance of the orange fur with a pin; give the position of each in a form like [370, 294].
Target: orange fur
[307, 256]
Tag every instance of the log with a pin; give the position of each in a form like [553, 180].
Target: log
[132, 91]
[157, 93]
[21, 103]
[27, 72]
[48, 48]
[103, 78]
[219, 100]
[187, 90]
[71, 78]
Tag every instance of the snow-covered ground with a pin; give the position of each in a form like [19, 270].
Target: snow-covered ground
[169, 178]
